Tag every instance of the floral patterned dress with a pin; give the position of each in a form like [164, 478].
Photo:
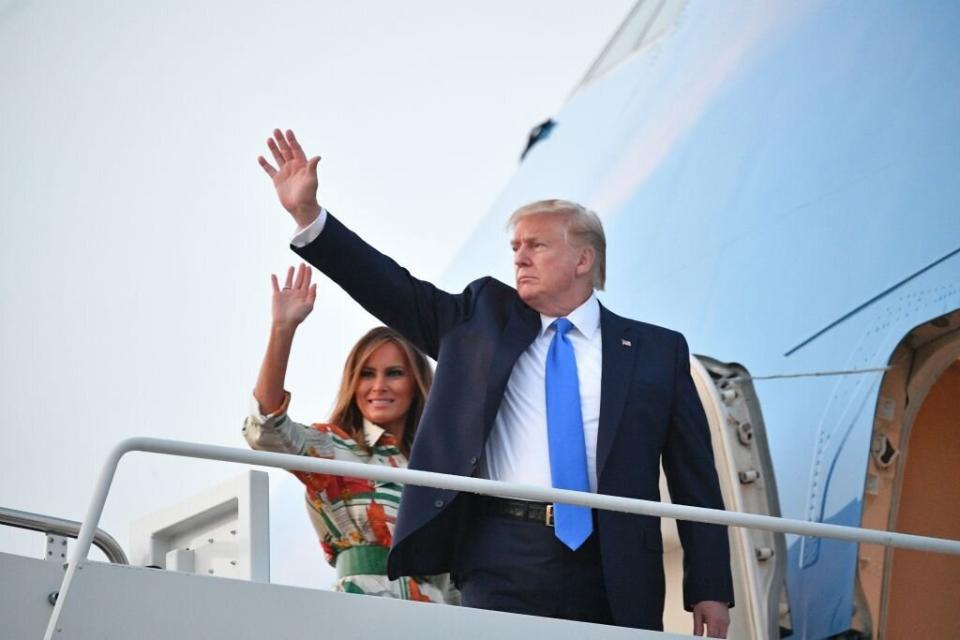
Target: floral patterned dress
[354, 518]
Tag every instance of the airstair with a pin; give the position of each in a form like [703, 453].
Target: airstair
[114, 600]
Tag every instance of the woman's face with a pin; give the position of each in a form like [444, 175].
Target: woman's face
[386, 388]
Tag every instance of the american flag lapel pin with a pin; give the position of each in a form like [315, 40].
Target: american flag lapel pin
[626, 342]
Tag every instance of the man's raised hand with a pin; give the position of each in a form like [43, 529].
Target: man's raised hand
[295, 177]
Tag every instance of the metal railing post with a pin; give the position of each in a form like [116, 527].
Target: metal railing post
[87, 529]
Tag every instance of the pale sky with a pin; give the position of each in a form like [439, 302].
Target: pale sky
[139, 232]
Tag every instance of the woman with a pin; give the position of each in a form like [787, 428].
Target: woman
[382, 394]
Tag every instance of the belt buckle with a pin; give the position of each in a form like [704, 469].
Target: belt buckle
[548, 516]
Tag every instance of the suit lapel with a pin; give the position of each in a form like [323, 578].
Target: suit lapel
[521, 329]
[620, 345]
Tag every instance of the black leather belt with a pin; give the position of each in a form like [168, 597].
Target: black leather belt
[517, 509]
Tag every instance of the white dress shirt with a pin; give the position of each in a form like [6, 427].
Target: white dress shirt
[518, 450]
[303, 237]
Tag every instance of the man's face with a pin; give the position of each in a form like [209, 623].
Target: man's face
[547, 267]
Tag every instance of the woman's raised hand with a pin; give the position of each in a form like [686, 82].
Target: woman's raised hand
[295, 177]
[294, 302]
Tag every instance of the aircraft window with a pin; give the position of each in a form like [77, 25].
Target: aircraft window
[648, 20]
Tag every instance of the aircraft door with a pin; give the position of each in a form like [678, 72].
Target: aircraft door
[743, 463]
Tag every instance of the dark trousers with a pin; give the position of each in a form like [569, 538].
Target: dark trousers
[520, 566]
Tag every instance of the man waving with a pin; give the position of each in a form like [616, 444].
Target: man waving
[540, 384]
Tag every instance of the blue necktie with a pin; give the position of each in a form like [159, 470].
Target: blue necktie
[568, 453]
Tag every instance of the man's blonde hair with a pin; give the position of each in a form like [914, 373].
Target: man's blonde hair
[583, 229]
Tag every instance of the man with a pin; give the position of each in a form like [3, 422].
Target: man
[538, 384]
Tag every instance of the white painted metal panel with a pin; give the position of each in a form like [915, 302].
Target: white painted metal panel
[110, 602]
[223, 531]
[25, 588]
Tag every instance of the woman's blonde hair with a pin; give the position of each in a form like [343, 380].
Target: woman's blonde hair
[346, 413]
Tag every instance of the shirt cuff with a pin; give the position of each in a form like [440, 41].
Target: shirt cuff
[309, 233]
[262, 419]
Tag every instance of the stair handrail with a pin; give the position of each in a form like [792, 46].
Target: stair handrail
[51, 525]
[462, 484]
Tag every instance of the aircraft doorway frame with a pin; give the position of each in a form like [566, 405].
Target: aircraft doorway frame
[745, 470]
[917, 364]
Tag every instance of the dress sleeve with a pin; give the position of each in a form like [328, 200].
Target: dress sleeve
[277, 432]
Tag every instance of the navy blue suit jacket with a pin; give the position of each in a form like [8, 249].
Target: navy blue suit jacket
[649, 409]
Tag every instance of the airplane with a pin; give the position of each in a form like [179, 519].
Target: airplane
[779, 181]
[776, 181]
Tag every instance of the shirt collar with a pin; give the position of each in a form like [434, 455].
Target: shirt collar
[585, 318]
[371, 432]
